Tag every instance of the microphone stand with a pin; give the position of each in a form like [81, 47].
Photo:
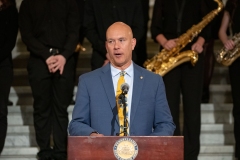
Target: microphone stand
[123, 98]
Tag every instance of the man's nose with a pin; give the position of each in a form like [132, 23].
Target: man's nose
[116, 44]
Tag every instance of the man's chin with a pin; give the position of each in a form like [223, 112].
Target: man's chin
[118, 64]
[122, 64]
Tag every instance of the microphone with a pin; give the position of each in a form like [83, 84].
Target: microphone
[124, 88]
[122, 98]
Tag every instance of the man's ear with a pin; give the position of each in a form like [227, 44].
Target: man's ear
[134, 41]
[106, 46]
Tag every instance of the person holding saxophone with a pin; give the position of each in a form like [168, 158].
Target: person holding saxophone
[170, 20]
[231, 19]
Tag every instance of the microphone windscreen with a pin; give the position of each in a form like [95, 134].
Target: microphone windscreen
[125, 88]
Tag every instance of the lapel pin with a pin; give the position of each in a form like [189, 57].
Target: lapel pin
[141, 77]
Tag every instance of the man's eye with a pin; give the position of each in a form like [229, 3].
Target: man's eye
[121, 40]
[110, 41]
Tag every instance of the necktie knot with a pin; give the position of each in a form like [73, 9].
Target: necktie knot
[122, 73]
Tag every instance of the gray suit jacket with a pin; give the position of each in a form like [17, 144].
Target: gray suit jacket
[96, 110]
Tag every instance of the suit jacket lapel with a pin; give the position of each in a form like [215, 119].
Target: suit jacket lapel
[106, 78]
[107, 82]
[137, 89]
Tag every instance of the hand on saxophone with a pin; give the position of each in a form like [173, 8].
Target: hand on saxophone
[198, 45]
[197, 48]
[165, 43]
[170, 44]
[229, 44]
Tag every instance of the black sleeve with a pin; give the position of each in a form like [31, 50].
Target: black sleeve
[10, 34]
[91, 28]
[205, 9]
[145, 10]
[73, 25]
[216, 22]
[157, 22]
[138, 23]
[26, 30]
[81, 4]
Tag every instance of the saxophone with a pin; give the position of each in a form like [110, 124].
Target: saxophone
[227, 57]
[166, 60]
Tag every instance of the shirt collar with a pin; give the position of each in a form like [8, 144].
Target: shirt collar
[115, 71]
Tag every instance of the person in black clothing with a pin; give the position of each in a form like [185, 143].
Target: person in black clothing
[172, 18]
[80, 4]
[8, 35]
[208, 51]
[231, 16]
[50, 31]
[141, 47]
[99, 14]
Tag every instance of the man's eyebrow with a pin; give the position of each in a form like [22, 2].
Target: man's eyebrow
[117, 38]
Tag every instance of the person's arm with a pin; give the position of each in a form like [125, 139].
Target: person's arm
[157, 23]
[10, 34]
[90, 27]
[157, 28]
[80, 123]
[138, 23]
[72, 25]
[228, 43]
[26, 30]
[58, 62]
[81, 4]
[165, 43]
[163, 122]
[205, 34]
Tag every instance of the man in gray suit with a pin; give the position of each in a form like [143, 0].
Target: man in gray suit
[96, 112]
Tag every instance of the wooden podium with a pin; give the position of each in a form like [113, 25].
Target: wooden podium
[102, 148]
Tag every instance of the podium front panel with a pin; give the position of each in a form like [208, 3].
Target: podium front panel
[149, 147]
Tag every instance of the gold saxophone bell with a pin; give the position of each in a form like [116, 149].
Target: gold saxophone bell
[165, 60]
[79, 48]
[227, 57]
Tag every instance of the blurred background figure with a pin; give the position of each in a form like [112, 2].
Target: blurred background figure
[100, 14]
[8, 35]
[231, 19]
[141, 48]
[50, 30]
[81, 38]
[208, 51]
